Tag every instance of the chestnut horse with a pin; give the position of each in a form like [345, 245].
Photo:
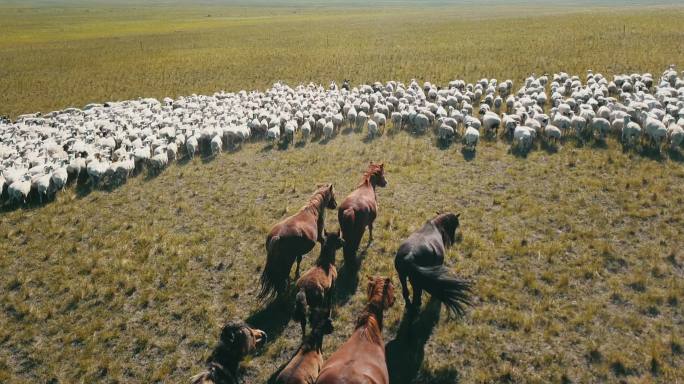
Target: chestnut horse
[359, 210]
[361, 359]
[421, 259]
[292, 238]
[237, 340]
[317, 286]
[307, 362]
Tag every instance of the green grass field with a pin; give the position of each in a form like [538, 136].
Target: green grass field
[56, 57]
[576, 256]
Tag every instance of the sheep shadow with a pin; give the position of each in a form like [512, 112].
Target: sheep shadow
[468, 154]
[347, 131]
[369, 139]
[599, 144]
[519, 152]
[675, 154]
[550, 148]
[267, 148]
[273, 318]
[443, 145]
[300, 144]
[652, 153]
[405, 353]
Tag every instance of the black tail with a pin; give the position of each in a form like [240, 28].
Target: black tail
[273, 277]
[440, 283]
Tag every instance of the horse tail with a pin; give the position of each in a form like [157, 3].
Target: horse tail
[273, 281]
[300, 307]
[440, 283]
[351, 238]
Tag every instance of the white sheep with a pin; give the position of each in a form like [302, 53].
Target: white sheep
[372, 129]
[471, 137]
[191, 146]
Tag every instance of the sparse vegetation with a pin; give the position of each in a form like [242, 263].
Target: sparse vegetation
[576, 256]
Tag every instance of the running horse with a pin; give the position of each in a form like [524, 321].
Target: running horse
[420, 260]
[359, 211]
[361, 359]
[292, 238]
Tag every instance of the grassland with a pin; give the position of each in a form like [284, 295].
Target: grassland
[69, 56]
[576, 256]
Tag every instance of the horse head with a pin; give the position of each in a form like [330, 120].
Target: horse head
[447, 223]
[381, 291]
[376, 174]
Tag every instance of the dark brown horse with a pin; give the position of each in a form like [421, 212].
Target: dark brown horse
[361, 359]
[237, 340]
[317, 285]
[292, 238]
[359, 211]
[421, 259]
[307, 362]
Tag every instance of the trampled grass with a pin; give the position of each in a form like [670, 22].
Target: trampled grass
[576, 257]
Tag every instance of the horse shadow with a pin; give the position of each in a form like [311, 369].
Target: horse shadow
[273, 318]
[347, 283]
[405, 353]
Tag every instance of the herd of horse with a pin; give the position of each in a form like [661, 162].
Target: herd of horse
[361, 359]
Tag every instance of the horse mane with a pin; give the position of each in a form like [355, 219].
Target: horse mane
[316, 200]
[372, 170]
[446, 224]
[371, 316]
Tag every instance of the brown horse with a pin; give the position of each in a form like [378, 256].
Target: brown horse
[361, 359]
[359, 211]
[292, 238]
[307, 362]
[317, 285]
[237, 340]
[421, 259]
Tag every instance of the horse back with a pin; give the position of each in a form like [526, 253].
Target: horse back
[302, 369]
[424, 247]
[357, 361]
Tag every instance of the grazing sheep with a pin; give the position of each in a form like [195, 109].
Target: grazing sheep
[601, 126]
[552, 133]
[191, 146]
[675, 134]
[445, 133]
[471, 138]
[328, 130]
[18, 191]
[491, 123]
[372, 129]
[216, 145]
[273, 134]
[631, 131]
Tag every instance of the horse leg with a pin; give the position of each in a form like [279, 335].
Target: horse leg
[299, 261]
[370, 232]
[404, 288]
[417, 297]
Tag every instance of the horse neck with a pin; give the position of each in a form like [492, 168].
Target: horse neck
[316, 206]
[371, 322]
[326, 258]
[225, 362]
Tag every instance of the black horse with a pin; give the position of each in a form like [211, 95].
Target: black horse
[421, 259]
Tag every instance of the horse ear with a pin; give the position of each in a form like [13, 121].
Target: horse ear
[458, 215]
[382, 165]
[331, 187]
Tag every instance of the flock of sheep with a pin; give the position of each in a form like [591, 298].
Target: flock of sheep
[104, 144]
